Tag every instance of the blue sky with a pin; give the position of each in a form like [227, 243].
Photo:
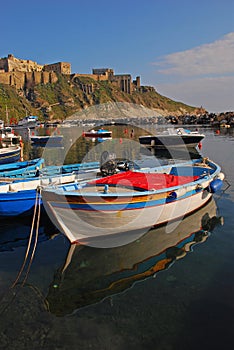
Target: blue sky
[184, 48]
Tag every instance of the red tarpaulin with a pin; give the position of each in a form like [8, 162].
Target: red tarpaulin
[144, 181]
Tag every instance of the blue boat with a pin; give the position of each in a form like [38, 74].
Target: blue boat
[47, 140]
[10, 154]
[18, 196]
[35, 167]
[25, 169]
[100, 133]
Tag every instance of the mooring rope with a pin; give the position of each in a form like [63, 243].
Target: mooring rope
[36, 237]
[37, 202]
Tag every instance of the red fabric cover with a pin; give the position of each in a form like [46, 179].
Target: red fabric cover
[144, 181]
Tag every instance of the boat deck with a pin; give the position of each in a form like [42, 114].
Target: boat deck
[131, 182]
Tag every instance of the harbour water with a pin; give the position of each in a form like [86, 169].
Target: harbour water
[170, 289]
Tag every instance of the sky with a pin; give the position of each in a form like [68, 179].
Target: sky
[184, 48]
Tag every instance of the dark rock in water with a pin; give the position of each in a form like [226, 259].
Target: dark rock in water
[24, 322]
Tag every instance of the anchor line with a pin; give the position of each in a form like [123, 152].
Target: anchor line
[36, 236]
[37, 204]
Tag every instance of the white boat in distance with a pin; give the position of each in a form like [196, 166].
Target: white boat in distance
[8, 137]
[130, 201]
[172, 138]
[27, 122]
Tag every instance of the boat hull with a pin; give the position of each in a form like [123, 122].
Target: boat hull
[10, 155]
[98, 134]
[21, 169]
[17, 203]
[164, 141]
[17, 198]
[44, 140]
[82, 223]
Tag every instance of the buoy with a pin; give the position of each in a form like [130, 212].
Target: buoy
[200, 145]
[215, 185]
[217, 132]
[221, 176]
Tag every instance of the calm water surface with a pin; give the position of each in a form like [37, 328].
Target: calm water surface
[171, 289]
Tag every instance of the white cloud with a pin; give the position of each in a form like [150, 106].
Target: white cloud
[209, 59]
[214, 94]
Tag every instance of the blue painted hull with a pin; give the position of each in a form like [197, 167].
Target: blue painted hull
[17, 203]
[19, 169]
[27, 169]
[10, 157]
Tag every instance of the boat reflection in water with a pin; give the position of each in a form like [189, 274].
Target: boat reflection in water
[91, 274]
[15, 233]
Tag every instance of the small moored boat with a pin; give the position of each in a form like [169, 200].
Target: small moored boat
[10, 154]
[28, 122]
[47, 140]
[26, 168]
[8, 137]
[130, 201]
[100, 133]
[172, 138]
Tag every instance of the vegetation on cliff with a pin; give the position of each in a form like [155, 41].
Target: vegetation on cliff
[66, 97]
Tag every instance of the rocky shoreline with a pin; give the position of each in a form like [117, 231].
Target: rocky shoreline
[225, 119]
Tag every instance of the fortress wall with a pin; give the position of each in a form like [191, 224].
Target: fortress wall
[92, 76]
[37, 77]
[21, 80]
[53, 77]
[5, 78]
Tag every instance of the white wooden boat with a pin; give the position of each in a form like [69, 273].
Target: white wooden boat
[130, 201]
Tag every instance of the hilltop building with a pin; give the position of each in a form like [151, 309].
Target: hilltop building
[13, 64]
[60, 67]
[26, 73]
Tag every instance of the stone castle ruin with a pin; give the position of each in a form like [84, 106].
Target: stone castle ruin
[24, 74]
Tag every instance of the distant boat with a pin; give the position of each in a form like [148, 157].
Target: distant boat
[8, 137]
[47, 140]
[130, 201]
[27, 122]
[172, 138]
[1, 124]
[10, 154]
[100, 133]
